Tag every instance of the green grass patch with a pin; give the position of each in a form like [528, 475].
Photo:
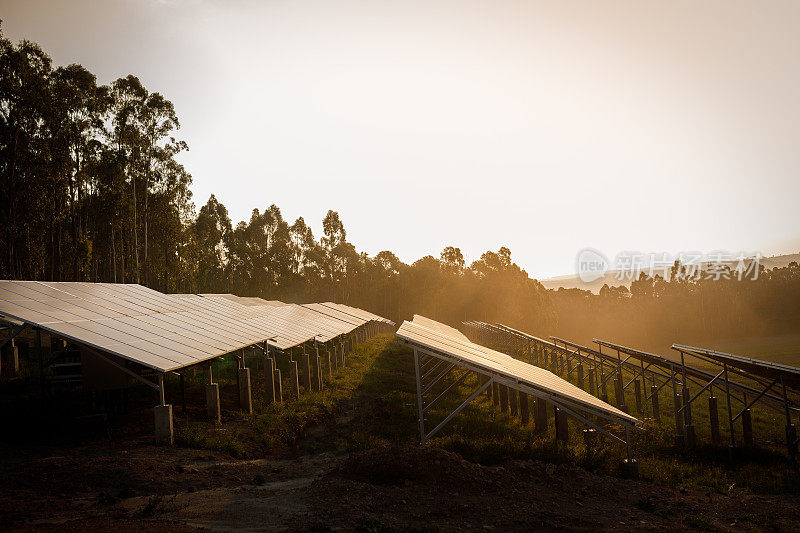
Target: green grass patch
[372, 402]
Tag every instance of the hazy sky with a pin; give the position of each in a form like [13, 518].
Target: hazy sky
[543, 126]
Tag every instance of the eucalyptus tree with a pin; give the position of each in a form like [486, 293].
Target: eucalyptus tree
[78, 107]
[333, 238]
[207, 254]
[24, 85]
[160, 171]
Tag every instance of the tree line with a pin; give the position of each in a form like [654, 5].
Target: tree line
[91, 190]
[660, 310]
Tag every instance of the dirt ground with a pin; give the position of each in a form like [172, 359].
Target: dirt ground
[127, 488]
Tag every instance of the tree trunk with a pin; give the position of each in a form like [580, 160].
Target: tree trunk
[135, 229]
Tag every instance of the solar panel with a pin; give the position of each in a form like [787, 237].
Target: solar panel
[129, 321]
[292, 324]
[245, 300]
[332, 326]
[285, 333]
[360, 313]
[342, 316]
[167, 332]
[438, 326]
[505, 366]
[789, 375]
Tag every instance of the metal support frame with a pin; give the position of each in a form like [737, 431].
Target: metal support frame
[127, 371]
[161, 392]
[12, 333]
[445, 391]
[438, 378]
[458, 409]
[569, 407]
[706, 386]
[606, 367]
[748, 405]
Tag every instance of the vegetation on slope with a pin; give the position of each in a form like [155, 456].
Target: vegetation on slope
[373, 403]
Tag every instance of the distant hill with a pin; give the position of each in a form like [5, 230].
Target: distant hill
[780, 261]
[572, 281]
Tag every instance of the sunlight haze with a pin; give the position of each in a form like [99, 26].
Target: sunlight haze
[543, 127]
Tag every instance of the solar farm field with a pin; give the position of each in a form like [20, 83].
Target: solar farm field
[348, 458]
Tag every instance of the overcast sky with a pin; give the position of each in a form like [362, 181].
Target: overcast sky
[546, 127]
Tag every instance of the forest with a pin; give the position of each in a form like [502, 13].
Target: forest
[91, 189]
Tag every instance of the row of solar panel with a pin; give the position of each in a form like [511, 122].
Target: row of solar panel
[166, 332]
[448, 341]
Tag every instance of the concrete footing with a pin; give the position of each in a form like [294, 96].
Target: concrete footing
[562, 426]
[630, 469]
[212, 402]
[690, 437]
[164, 430]
[654, 398]
[512, 401]
[269, 380]
[589, 438]
[687, 417]
[713, 418]
[791, 439]
[524, 409]
[677, 401]
[307, 372]
[319, 373]
[10, 359]
[278, 385]
[245, 394]
[747, 428]
[294, 380]
[540, 415]
[620, 393]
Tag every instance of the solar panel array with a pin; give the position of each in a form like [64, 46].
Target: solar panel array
[167, 332]
[786, 374]
[444, 329]
[356, 312]
[438, 337]
[245, 300]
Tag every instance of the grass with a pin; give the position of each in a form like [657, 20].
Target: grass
[198, 436]
[372, 403]
[342, 417]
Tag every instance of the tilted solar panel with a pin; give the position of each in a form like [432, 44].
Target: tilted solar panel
[355, 311]
[506, 366]
[438, 326]
[129, 321]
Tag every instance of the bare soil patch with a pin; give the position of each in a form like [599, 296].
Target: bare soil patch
[383, 489]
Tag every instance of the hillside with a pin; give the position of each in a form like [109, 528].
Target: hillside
[615, 278]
